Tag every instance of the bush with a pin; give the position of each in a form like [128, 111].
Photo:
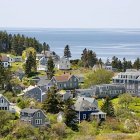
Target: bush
[59, 129]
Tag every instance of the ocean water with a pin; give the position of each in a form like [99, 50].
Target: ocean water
[105, 42]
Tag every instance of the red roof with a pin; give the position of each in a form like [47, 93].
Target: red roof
[4, 58]
[62, 78]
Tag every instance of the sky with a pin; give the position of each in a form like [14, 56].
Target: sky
[70, 13]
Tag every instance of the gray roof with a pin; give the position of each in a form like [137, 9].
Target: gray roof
[85, 104]
[4, 98]
[43, 81]
[29, 110]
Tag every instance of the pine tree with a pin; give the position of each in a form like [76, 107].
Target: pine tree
[136, 64]
[88, 58]
[51, 104]
[46, 47]
[30, 64]
[67, 52]
[108, 108]
[70, 115]
[50, 68]
[2, 74]
[5, 77]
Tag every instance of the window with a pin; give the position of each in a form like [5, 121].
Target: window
[102, 115]
[38, 114]
[65, 85]
[2, 100]
[70, 84]
[84, 116]
[38, 121]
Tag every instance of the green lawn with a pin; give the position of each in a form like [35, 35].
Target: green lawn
[16, 66]
[133, 107]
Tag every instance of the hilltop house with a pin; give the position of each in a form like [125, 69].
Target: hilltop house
[36, 93]
[106, 66]
[4, 103]
[111, 90]
[65, 81]
[87, 109]
[130, 79]
[42, 64]
[65, 94]
[5, 61]
[63, 64]
[52, 54]
[35, 117]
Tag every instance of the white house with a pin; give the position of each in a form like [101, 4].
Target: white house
[5, 61]
[63, 64]
[42, 64]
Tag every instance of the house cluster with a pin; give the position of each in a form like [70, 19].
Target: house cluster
[60, 63]
[42, 59]
[67, 84]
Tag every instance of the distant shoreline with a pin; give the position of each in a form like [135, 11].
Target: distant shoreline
[106, 43]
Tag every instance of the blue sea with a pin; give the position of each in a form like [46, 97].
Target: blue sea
[105, 42]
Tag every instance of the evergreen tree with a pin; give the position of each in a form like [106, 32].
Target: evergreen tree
[107, 107]
[124, 64]
[129, 65]
[5, 76]
[2, 74]
[67, 52]
[114, 62]
[100, 62]
[84, 58]
[70, 115]
[50, 68]
[88, 58]
[120, 66]
[46, 47]
[30, 65]
[51, 104]
[136, 64]
[15, 44]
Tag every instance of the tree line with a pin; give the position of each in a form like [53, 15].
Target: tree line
[17, 43]
[89, 59]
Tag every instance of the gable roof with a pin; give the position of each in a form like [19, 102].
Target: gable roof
[63, 78]
[30, 88]
[43, 80]
[4, 98]
[29, 110]
[4, 58]
[85, 104]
